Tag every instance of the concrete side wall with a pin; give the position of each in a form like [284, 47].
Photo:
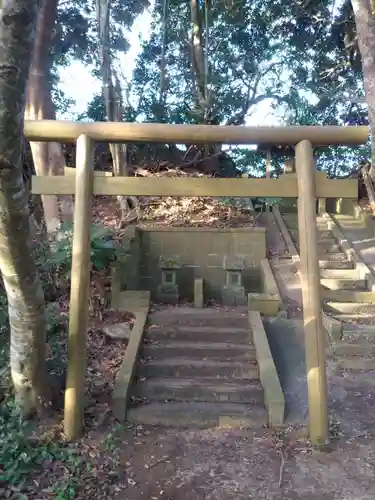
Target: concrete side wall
[201, 253]
[128, 260]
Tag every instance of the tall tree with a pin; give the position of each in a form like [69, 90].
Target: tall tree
[222, 59]
[113, 102]
[112, 91]
[48, 157]
[364, 12]
[17, 262]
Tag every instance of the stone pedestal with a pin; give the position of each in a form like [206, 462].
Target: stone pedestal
[168, 291]
[233, 293]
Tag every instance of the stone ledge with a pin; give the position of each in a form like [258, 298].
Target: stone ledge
[273, 395]
[264, 303]
[269, 284]
[285, 233]
[124, 378]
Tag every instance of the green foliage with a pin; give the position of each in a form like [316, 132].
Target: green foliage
[96, 111]
[103, 250]
[3, 314]
[245, 63]
[76, 30]
[294, 55]
[53, 318]
[22, 455]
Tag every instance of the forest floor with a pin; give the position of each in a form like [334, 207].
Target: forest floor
[121, 462]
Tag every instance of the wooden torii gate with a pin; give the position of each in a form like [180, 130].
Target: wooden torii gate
[306, 187]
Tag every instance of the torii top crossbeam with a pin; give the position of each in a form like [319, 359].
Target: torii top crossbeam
[112, 132]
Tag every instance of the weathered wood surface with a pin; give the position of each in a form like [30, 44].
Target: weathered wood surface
[162, 186]
[79, 290]
[67, 131]
[315, 340]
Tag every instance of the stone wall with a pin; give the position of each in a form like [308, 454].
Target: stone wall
[201, 253]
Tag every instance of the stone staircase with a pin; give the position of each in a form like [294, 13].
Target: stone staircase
[345, 295]
[197, 369]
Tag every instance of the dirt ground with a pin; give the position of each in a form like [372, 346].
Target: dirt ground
[243, 464]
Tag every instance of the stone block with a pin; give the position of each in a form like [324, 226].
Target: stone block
[233, 295]
[266, 304]
[198, 293]
[168, 293]
[233, 263]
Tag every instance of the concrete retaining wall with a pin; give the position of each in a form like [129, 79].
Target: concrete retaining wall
[200, 253]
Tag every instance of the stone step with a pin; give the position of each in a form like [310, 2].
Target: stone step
[333, 257]
[351, 349]
[199, 415]
[326, 235]
[353, 318]
[199, 334]
[224, 351]
[196, 389]
[340, 274]
[350, 308]
[336, 264]
[358, 334]
[329, 248]
[236, 317]
[349, 220]
[344, 217]
[329, 245]
[352, 296]
[343, 284]
[177, 367]
[356, 363]
[358, 328]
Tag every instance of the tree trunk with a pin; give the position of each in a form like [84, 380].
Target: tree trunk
[163, 62]
[114, 110]
[48, 157]
[17, 263]
[365, 23]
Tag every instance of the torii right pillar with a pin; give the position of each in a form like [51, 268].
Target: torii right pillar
[312, 307]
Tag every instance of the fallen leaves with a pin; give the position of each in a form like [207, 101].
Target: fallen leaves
[178, 211]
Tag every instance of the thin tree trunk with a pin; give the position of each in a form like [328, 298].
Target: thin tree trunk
[365, 23]
[48, 157]
[163, 62]
[113, 104]
[198, 50]
[17, 263]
